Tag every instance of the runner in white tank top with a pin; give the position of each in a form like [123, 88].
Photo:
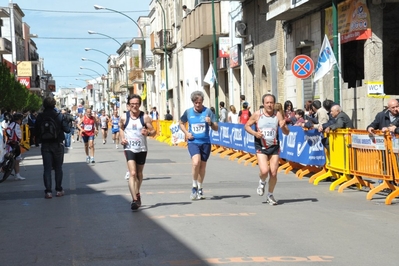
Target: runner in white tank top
[268, 125]
[135, 126]
[266, 143]
[136, 141]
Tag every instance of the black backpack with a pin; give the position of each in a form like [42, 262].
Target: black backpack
[50, 128]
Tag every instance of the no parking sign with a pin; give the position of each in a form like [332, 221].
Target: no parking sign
[302, 66]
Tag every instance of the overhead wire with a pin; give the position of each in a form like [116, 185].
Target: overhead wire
[80, 12]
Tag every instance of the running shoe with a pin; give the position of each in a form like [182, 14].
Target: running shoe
[134, 206]
[261, 188]
[200, 194]
[60, 193]
[92, 160]
[193, 194]
[270, 199]
[48, 195]
[88, 159]
[127, 175]
[138, 201]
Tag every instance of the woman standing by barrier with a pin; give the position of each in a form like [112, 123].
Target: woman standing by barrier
[232, 116]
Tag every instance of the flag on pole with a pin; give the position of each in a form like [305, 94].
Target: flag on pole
[326, 60]
[144, 93]
[210, 76]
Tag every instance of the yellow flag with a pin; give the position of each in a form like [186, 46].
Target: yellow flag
[144, 93]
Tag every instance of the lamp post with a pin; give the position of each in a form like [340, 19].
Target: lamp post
[92, 49]
[91, 70]
[143, 52]
[214, 60]
[103, 91]
[86, 59]
[94, 90]
[165, 54]
[127, 74]
[85, 81]
[337, 93]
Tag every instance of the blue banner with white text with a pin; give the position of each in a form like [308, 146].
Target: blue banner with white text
[302, 147]
[233, 136]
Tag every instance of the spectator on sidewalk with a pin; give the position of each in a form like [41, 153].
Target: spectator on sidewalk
[339, 119]
[14, 136]
[232, 116]
[386, 118]
[52, 135]
[154, 114]
[168, 116]
[299, 116]
[289, 113]
[244, 114]
[31, 123]
[222, 113]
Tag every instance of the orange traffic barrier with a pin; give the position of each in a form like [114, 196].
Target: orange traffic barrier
[370, 157]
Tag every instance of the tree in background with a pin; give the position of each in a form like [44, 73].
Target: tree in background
[13, 95]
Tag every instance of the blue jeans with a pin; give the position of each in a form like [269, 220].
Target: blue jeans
[68, 139]
[53, 158]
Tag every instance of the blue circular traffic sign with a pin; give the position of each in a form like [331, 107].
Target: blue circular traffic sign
[302, 66]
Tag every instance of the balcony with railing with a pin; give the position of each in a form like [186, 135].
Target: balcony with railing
[33, 56]
[197, 26]
[290, 9]
[161, 40]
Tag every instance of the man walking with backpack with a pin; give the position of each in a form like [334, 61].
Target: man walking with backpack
[50, 127]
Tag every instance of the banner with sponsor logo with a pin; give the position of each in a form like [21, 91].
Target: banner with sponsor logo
[24, 81]
[369, 142]
[354, 21]
[302, 147]
[233, 136]
[177, 134]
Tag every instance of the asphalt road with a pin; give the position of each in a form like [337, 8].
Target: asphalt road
[93, 224]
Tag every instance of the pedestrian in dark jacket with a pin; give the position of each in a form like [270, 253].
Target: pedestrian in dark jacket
[341, 119]
[386, 118]
[52, 148]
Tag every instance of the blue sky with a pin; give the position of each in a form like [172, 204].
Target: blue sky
[62, 57]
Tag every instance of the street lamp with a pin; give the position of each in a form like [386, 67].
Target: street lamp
[89, 49]
[103, 89]
[94, 90]
[143, 52]
[86, 59]
[127, 74]
[165, 54]
[214, 60]
[91, 70]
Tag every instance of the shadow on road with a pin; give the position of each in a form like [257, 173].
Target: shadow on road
[87, 226]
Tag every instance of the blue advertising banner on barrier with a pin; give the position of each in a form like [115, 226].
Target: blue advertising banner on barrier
[302, 147]
[298, 146]
[233, 136]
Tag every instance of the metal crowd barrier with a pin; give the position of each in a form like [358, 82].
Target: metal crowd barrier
[337, 159]
[371, 157]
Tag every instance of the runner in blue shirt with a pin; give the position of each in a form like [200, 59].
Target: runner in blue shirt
[200, 121]
[115, 128]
